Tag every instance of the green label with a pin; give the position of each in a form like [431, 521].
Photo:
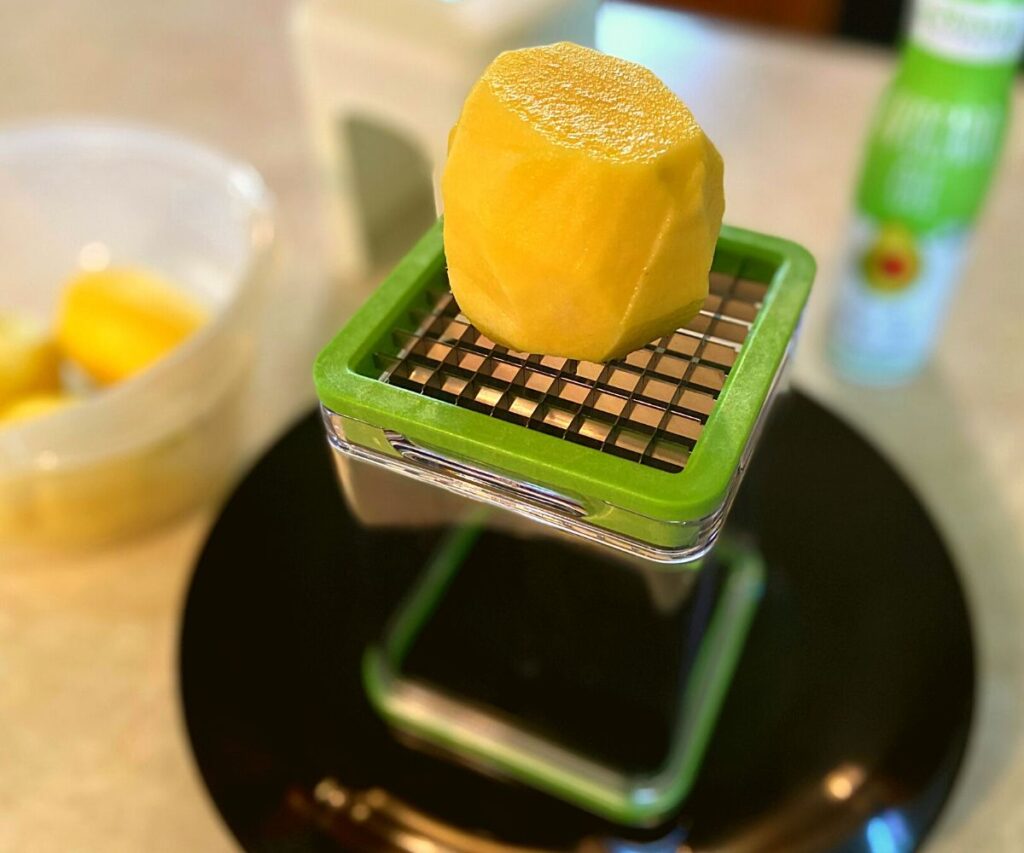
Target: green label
[929, 159]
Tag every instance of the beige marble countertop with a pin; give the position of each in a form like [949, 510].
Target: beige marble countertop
[93, 754]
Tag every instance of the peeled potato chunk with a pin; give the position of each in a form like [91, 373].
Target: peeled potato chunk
[29, 359]
[35, 406]
[116, 322]
[582, 205]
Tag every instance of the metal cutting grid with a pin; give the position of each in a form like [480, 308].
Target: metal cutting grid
[649, 407]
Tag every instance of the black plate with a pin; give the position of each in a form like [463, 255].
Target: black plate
[843, 730]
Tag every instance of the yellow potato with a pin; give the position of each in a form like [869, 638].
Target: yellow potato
[34, 406]
[116, 322]
[29, 359]
[582, 204]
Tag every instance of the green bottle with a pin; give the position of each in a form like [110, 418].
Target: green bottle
[932, 151]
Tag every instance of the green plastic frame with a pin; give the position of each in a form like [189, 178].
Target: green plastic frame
[346, 383]
[496, 744]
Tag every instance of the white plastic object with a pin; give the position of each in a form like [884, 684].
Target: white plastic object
[142, 451]
[385, 82]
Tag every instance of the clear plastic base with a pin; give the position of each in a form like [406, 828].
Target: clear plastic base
[536, 740]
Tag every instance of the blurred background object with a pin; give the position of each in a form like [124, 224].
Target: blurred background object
[807, 16]
[384, 83]
[865, 20]
[931, 155]
[93, 197]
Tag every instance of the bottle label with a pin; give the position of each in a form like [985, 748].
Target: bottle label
[968, 30]
[893, 296]
[930, 160]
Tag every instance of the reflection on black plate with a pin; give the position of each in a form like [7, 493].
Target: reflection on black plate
[843, 729]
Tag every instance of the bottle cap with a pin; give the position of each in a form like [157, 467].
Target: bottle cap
[977, 32]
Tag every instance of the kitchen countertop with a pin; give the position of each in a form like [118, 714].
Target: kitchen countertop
[93, 753]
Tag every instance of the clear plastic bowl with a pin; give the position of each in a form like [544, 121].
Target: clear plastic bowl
[145, 450]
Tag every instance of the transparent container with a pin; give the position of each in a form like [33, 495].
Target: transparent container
[643, 454]
[143, 451]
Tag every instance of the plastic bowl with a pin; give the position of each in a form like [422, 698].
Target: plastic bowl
[141, 452]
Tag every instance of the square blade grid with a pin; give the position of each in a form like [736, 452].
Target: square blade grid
[649, 407]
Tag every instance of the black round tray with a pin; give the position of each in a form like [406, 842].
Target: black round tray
[843, 729]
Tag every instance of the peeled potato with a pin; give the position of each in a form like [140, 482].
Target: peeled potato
[582, 205]
[29, 359]
[116, 322]
[34, 406]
